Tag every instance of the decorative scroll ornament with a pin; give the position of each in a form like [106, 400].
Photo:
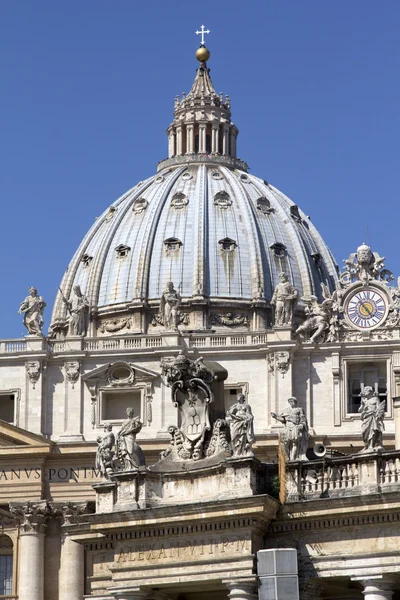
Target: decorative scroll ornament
[365, 265]
[72, 372]
[189, 382]
[230, 319]
[115, 325]
[33, 370]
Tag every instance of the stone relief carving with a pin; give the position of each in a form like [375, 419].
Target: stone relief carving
[284, 300]
[169, 307]
[128, 450]
[105, 456]
[372, 413]
[189, 382]
[72, 372]
[295, 435]
[229, 319]
[33, 370]
[32, 308]
[240, 421]
[184, 319]
[321, 318]
[114, 325]
[282, 361]
[365, 265]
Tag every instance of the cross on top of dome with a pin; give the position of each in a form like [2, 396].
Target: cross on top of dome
[202, 32]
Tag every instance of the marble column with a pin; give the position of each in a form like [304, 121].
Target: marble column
[225, 141]
[202, 138]
[179, 140]
[171, 144]
[72, 574]
[32, 522]
[377, 589]
[71, 585]
[189, 138]
[241, 590]
[214, 138]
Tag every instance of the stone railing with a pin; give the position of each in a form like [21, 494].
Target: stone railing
[137, 342]
[229, 161]
[342, 475]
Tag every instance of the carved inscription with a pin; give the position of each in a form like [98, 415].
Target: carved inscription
[216, 548]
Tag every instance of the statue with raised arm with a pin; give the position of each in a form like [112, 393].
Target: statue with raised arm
[295, 436]
[169, 307]
[32, 308]
[284, 300]
[105, 455]
[128, 450]
[240, 421]
[78, 308]
[372, 412]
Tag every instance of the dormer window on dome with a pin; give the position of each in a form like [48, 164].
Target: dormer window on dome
[316, 256]
[264, 205]
[179, 200]
[111, 213]
[122, 251]
[140, 205]
[227, 245]
[86, 260]
[294, 213]
[172, 245]
[222, 199]
[278, 249]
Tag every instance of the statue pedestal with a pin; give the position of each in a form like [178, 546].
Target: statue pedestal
[171, 338]
[174, 482]
[74, 342]
[283, 333]
[36, 343]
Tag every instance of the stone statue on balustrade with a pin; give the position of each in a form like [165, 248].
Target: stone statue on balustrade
[240, 420]
[169, 307]
[128, 451]
[78, 308]
[32, 308]
[105, 455]
[372, 411]
[284, 300]
[295, 435]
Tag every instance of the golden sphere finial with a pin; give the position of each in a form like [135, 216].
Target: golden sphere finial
[202, 54]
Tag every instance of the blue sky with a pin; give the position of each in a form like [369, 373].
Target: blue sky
[87, 91]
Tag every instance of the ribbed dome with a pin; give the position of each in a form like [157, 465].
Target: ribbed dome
[211, 230]
[220, 235]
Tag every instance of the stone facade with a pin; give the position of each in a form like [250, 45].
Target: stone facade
[138, 453]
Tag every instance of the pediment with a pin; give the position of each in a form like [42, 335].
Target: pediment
[10, 435]
[134, 372]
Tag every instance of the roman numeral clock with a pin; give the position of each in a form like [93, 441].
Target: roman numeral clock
[366, 307]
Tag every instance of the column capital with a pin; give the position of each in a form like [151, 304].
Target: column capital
[71, 513]
[32, 516]
[131, 593]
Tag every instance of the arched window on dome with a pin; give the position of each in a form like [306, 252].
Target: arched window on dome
[172, 245]
[278, 249]
[227, 245]
[6, 565]
[122, 251]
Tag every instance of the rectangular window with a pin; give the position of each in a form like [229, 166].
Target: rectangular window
[6, 568]
[7, 407]
[114, 404]
[361, 375]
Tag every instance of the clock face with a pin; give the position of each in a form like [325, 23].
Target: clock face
[367, 308]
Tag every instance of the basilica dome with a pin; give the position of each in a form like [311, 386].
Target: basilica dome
[202, 222]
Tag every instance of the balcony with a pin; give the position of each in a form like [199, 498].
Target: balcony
[334, 477]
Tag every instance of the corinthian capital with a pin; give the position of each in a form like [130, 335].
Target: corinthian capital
[31, 517]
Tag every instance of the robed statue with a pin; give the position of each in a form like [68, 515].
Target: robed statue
[240, 421]
[32, 308]
[372, 412]
[295, 436]
[284, 299]
[169, 307]
[128, 450]
[105, 455]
